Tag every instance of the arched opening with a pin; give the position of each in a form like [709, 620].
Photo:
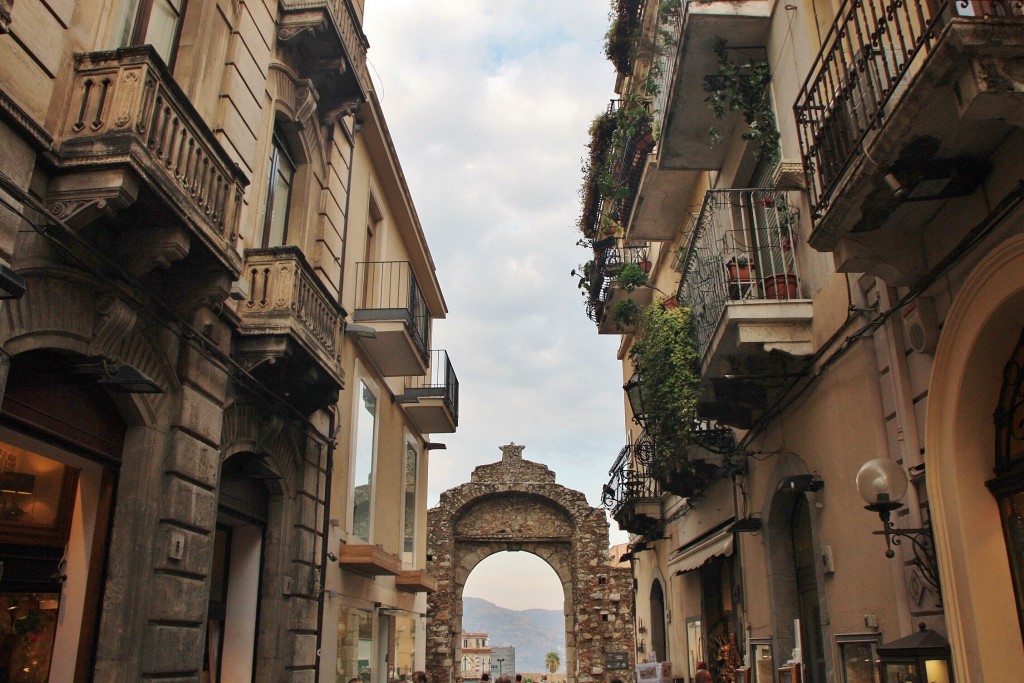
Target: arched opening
[233, 612]
[795, 596]
[658, 621]
[513, 600]
[61, 437]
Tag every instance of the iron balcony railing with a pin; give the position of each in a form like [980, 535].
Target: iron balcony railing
[607, 264]
[870, 53]
[388, 291]
[670, 33]
[441, 382]
[740, 250]
[630, 478]
[628, 164]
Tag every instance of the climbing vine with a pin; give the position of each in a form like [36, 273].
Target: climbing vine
[743, 87]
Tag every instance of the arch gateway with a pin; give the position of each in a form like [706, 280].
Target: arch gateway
[515, 505]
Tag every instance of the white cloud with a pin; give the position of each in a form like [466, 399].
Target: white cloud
[489, 104]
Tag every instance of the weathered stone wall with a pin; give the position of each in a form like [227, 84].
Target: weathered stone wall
[515, 504]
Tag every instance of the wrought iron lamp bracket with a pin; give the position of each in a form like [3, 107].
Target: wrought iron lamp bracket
[922, 543]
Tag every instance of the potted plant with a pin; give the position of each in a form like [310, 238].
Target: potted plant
[740, 274]
[625, 313]
[781, 286]
[632, 276]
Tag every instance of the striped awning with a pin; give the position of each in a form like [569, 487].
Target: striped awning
[698, 554]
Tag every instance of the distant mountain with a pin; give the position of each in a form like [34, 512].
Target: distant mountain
[532, 632]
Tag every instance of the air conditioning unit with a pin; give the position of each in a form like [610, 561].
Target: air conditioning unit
[921, 325]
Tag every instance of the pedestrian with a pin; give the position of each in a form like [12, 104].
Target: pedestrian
[485, 677]
[519, 678]
[419, 677]
[702, 676]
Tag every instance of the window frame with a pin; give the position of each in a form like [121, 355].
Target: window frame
[140, 25]
[278, 151]
[362, 379]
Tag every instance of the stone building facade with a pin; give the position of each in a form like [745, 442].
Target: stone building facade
[830, 191]
[185, 196]
[516, 505]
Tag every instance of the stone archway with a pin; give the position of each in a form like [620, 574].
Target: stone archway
[515, 504]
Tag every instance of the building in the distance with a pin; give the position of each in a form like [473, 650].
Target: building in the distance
[476, 656]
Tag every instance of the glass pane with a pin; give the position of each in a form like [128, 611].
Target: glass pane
[405, 647]
[355, 644]
[859, 662]
[936, 671]
[410, 499]
[28, 622]
[901, 673]
[764, 663]
[125, 22]
[30, 489]
[163, 27]
[362, 493]
[280, 194]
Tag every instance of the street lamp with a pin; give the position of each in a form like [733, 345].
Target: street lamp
[499, 660]
[882, 483]
[634, 394]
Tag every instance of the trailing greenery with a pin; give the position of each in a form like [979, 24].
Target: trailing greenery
[632, 276]
[744, 88]
[602, 128]
[584, 273]
[626, 313]
[620, 39]
[666, 358]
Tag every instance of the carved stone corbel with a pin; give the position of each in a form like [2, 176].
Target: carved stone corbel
[345, 108]
[80, 199]
[114, 322]
[306, 98]
[295, 24]
[145, 248]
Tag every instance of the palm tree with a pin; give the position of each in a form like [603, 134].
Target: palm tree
[552, 661]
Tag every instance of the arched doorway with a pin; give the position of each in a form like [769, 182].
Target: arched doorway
[979, 336]
[658, 622]
[516, 505]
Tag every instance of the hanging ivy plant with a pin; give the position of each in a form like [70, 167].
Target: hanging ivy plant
[626, 313]
[602, 129]
[621, 35]
[666, 358]
[744, 88]
[632, 276]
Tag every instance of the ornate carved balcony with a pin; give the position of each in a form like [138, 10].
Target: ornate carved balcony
[432, 401]
[741, 283]
[330, 48]
[290, 328]
[389, 302]
[133, 148]
[631, 494]
[901, 113]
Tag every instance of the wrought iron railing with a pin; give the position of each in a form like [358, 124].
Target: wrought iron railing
[868, 55]
[284, 292]
[630, 479]
[628, 164]
[607, 264]
[670, 33]
[388, 290]
[126, 106]
[740, 250]
[440, 381]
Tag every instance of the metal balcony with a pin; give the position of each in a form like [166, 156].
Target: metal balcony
[389, 300]
[903, 107]
[605, 292]
[432, 401]
[742, 284]
[133, 148]
[330, 47]
[628, 166]
[290, 327]
[631, 495]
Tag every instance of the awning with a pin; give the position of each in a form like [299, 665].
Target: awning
[692, 557]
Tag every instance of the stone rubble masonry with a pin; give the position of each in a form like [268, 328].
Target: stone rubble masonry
[516, 505]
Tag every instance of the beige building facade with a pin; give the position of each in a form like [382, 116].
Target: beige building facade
[201, 206]
[843, 234]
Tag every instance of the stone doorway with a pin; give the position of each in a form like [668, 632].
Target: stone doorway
[515, 505]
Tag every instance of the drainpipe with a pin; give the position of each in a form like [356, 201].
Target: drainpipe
[356, 127]
[324, 545]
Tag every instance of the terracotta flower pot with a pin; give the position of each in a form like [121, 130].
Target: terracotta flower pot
[741, 279]
[782, 287]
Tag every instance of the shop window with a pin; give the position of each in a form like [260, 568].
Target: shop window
[857, 656]
[403, 648]
[355, 644]
[152, 22]
[281, 177]
[762, 661]
[365, 451]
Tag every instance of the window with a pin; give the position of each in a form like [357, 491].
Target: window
[152, 22]
[763, 662]
[409, 500]
[857, 656]
[365, 448]
[279, 192]
[355, 644]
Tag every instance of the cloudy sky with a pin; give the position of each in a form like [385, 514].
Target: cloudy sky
[488, 102]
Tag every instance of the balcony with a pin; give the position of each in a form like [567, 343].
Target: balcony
[290, 328]
[133, 149]
[368, 560]
[631, 495]
[606, 292]
[415, 581]
[898, 119]
[389, 298]
[741, 283]
[629, 160]
[327, 40]
[686, 116]
[432, 401]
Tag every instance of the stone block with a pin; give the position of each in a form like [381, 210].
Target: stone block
[302, 614]
[196, 369]
[193, 459]
[188, 504]
[199, 415]
[303, 648]
[177, 598]
[195, 553]
[169, 649]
